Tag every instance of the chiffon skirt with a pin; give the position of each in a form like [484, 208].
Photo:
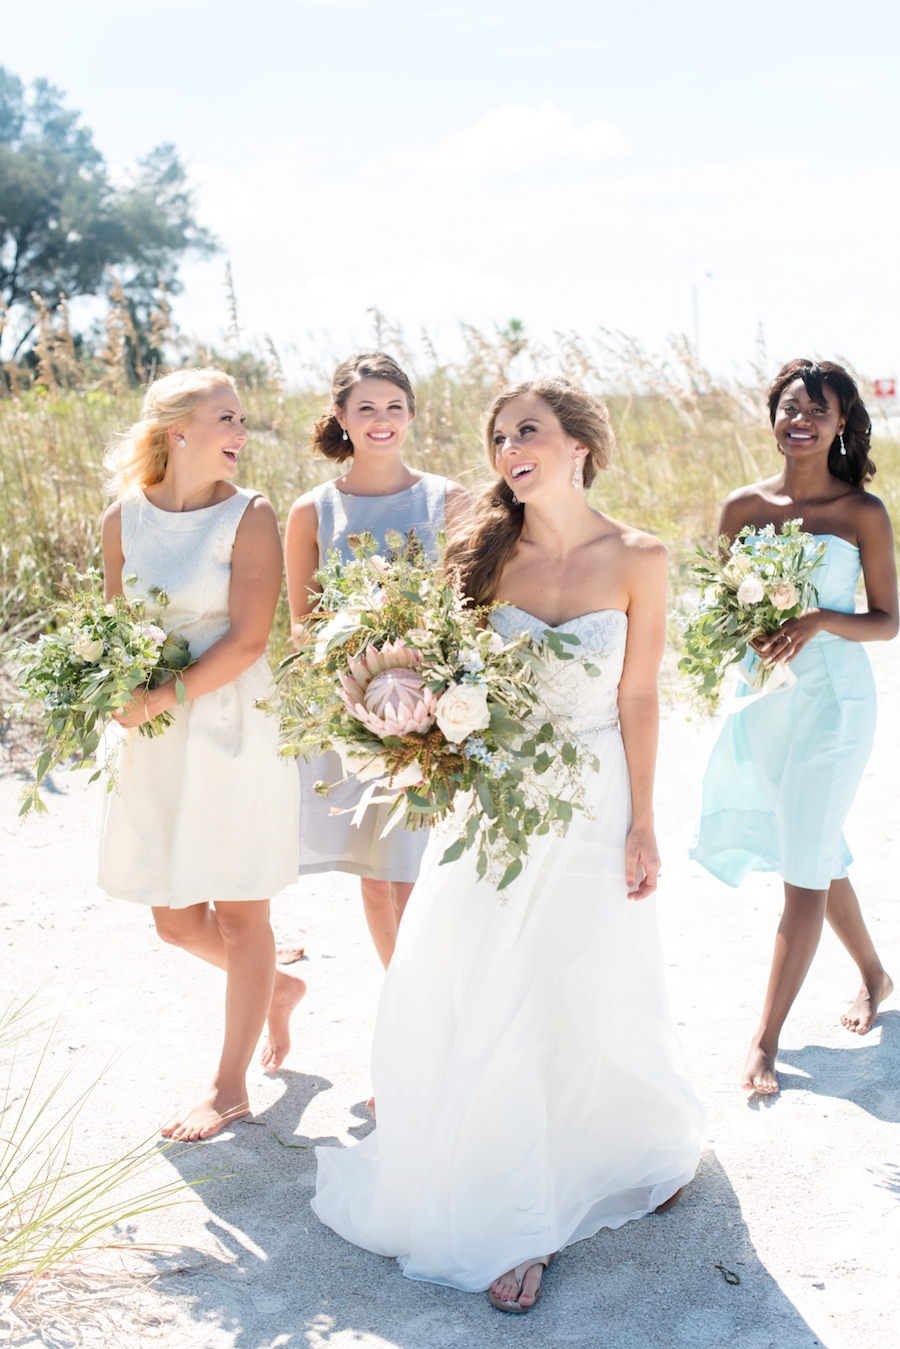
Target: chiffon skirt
[529, 1084]
[784, 771]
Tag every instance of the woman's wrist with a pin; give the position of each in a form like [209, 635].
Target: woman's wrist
[643, 823]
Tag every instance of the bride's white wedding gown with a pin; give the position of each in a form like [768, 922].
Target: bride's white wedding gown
[529, 1084]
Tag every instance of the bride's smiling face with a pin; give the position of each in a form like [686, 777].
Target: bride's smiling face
[531, 449]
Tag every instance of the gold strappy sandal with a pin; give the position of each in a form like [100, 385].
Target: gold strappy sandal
[520, 1271]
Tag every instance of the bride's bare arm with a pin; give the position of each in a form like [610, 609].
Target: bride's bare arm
[639, 704]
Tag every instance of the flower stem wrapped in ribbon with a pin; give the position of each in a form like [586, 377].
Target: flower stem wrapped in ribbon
[430, 706]
[95, 658]
[748, 590]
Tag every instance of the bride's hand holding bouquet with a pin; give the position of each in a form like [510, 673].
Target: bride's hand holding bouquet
[431, 706]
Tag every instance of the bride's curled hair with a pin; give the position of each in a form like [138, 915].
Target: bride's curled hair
[138, 457]
[479, 556]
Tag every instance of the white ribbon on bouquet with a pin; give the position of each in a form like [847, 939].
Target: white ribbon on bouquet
[410, 776]
[782, 677]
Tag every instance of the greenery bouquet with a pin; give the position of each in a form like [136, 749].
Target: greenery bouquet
[748, 590]
[431, 706]
[97, 657]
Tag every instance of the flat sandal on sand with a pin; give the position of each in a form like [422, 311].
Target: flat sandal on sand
[520, 1271]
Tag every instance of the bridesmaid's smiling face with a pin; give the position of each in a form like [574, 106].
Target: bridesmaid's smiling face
[804, 426]
[376, 416]
[531, 449]
[213, 437]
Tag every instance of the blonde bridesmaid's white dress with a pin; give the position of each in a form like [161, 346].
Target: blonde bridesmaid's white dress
[529, 1082]
[207, 811]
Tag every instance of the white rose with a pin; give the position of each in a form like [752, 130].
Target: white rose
[750, 591]
[89, 648]
[492, 641]
[156, 634]
[378, 565]
[786, 596]
[462, 710]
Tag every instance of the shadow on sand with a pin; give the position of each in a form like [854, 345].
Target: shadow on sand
[293, 1283]
[866, 1072]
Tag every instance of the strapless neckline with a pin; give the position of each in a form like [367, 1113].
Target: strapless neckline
[567, 622]
[837, 539]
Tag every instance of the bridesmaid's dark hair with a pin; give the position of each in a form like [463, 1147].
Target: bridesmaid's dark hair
[479, 556]
[327, 434]
[856, 466]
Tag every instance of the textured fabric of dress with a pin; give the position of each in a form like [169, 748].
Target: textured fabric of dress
[332, 842]
[208, 810]
[784, 771]
[529, 1083]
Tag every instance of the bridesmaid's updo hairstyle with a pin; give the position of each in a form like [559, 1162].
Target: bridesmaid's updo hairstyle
[479, 556]
[856, 466]
[327, 435]
[138, 457]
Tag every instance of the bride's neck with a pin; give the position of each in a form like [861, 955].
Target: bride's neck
[560, 527]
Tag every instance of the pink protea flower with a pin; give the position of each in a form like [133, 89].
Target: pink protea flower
[372, 662]
[397, 703]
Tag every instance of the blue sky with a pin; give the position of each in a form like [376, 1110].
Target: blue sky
[571, 164]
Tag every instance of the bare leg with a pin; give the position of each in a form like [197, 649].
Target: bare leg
[795, 945]
[250, 969]
[384, 902]
[846, 920]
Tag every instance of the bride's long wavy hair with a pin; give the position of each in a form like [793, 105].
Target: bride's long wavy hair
[479, 556]
[138, 457]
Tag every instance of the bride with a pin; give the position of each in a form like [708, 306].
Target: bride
[529, 1084]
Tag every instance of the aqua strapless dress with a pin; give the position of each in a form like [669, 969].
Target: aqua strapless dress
[784, 771]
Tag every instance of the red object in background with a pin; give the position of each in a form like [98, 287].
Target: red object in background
[885, 388]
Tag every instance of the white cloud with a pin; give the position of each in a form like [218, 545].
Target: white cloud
[507, 142]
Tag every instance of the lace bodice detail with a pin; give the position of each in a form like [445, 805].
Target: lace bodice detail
[585, 703]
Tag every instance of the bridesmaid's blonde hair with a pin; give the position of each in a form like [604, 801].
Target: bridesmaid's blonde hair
[137, 457]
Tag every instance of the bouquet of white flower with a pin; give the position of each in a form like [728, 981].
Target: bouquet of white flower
[96, 657]
[431, 706]
[748, 590]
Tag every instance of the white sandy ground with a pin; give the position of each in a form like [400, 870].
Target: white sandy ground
[799, 1196]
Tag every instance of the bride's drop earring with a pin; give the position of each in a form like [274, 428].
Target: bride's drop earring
[345, 436]
[841, 439]
[578, 475]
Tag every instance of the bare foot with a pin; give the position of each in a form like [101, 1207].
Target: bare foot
[506, 1288]
[212, 1113]
[289, 955]
[370, 1106]
[289, 989]
[759, 1072]
[861, 1016]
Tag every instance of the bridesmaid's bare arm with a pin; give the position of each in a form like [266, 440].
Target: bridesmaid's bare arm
[301, 562]
[255, 583]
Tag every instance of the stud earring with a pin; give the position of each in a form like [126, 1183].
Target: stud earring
[578, 475]
[181, 441]
[345, 436]
[841, 439]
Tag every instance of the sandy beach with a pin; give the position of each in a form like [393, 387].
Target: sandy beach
[798, 1196]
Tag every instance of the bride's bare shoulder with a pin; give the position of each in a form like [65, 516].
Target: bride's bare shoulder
[636, 549]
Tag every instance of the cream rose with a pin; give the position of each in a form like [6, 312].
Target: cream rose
[89, 648]
[462, 710]
[750, 591]
[785, 597]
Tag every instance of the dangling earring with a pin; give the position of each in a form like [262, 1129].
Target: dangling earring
[345, 436]
[578, 475]
[841, 439]
[515, 499]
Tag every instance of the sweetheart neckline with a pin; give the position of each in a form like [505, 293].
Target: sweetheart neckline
[555, 627]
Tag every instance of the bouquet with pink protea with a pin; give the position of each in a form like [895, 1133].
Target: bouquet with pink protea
[426, 702]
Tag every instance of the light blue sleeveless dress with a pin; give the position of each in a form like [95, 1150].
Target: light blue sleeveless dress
[784, 771]
[332, 842]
